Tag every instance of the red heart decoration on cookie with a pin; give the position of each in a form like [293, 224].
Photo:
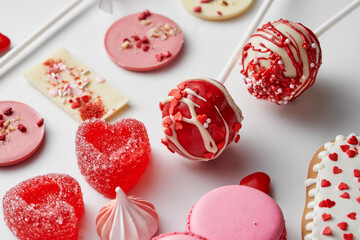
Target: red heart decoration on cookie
[4, 43]
[257, 180]
[348, 236]
[44, 207]
[111, 156]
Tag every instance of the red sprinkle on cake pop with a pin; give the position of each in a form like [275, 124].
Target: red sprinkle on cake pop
[200, 119]
[280, 61]
[44, 207]
[111, 156]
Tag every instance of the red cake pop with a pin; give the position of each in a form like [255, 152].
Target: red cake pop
[200, 119]
[280, 61]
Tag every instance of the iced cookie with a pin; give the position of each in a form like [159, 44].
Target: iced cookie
[21, 132]
[216, 9]
[127, 217]
[74, 87]
[179, 236]
[332, 191]
[143, 41]
[200, 119]
[237, 212]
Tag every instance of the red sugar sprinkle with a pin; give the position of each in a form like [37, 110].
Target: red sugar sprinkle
[40, 122]
[168, 131]
[145, 40]
[358, 199]
[327, 203]
[342, 226]
[204, 1]
[85, 98]
[138, 44]
[112, 155]
[356, 173]
[197, 9]
[326, 217]
[21, 128]
[2, 123]
[352, 216]
[353, 140]
[237, 138]
[237, 126]
[167, 122]
[343, 186]
[8, 111]
[219, 13]
[333, 156]
[135, 37]
[159, 57]
[161, 106]
[209, 155]
[221, 145]
[327, 231]
[348, 236]
[325, 183]
[92, 110]
[182, 85]
[145, 47]
[2, 137]
[201, 118]
[344, 148]
[178, 126]
[1, 117]
[167, 54]
[178, 117]
[75, 105]
[337, 170]
[345, 195]
[351, 153]
[44, 207]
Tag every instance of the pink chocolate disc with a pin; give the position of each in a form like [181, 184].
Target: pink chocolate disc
[21, 132]
[143, 41]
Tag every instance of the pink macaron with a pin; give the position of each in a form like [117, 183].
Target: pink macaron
[237, 212]
[179, 236]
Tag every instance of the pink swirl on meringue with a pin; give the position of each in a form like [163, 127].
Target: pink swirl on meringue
[127, 217]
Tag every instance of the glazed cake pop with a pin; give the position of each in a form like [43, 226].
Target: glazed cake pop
[280, 61]
[200, 119]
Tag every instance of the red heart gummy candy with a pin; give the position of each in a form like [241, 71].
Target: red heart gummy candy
[111, 156]
[45, 207]
[4, 43]
[257, 180]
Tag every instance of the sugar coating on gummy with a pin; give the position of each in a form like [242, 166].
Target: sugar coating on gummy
[45, 207]
[332, 191]
[143, 41]
[237, 212]
[179, 236]
[280, 61]
[74, 87]
[200, 119]
[112, 155]
[21, 132]
[216, 10]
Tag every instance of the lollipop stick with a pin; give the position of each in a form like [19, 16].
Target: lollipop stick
[236, 54]
[337, 17]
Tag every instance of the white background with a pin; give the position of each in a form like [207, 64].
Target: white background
[279, 140]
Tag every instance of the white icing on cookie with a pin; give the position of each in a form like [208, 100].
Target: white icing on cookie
[336, 206]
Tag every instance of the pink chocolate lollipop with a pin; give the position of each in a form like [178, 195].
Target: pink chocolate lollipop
[280, 61]
[21, 132]
[237, 212]
[144, 41]
[200, 119]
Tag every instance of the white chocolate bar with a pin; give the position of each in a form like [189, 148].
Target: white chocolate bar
[74, 87]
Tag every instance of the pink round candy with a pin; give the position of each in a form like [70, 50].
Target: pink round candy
[237, 212]
[143, 41]
[200, 119]
[21, 132]
[179, 236]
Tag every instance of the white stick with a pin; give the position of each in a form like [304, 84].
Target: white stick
[18, 53]
[236, 54]
[337, 17]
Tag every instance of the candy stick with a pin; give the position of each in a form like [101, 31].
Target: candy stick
[19, 52]
[337, 17]
[236, 54]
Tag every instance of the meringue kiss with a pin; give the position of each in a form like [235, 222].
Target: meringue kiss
[127, 217]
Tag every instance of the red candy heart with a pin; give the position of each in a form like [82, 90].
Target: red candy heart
[257, 180]
[111, 156]
[44, 207]
[4, 43]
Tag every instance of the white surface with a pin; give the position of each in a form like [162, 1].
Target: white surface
[279, 140]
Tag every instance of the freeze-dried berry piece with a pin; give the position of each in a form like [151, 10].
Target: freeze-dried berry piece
[45, 207]
[111, 156]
